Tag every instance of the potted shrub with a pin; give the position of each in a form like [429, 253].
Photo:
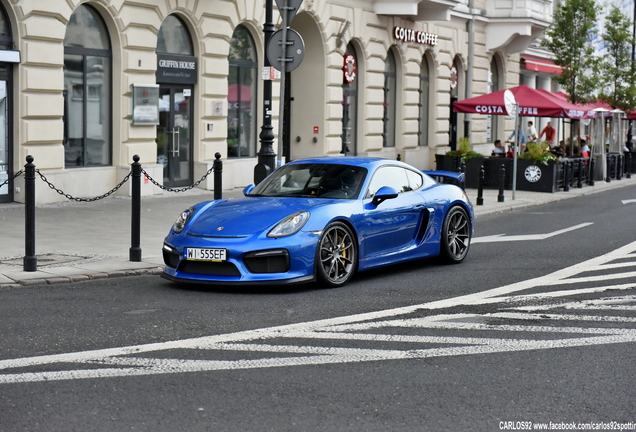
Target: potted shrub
[452, 160]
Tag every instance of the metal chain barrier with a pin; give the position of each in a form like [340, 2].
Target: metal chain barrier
[183, 189]
[72, 198]
[18, 174]
[30, 259]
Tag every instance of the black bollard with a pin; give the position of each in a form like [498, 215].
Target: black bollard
[628, 165]
[30, 262]
[480, 187]
[579, 183]
[619, 167]
[502, 181]
[592, 164]
[608, 166]
[218, 176]
[566, 177]
[135, 227]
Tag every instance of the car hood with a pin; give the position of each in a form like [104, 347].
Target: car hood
[237, 217]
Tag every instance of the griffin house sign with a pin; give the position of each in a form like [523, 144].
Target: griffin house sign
[408, 35]
[172, 69]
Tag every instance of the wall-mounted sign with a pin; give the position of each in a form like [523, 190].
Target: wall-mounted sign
[408, 35]
[175, 69]
[349, 68]
[145, 104]
[453, 78]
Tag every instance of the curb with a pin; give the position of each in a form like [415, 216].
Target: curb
[54, 280]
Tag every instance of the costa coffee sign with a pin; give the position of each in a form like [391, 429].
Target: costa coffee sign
[408, 35]
[489, 109]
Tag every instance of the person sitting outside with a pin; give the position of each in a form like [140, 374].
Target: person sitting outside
[499, 149]
[558, 150]
[585, 149]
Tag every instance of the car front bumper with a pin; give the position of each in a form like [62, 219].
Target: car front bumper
[250, 260]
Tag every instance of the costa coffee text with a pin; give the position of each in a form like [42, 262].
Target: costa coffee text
[408, 35]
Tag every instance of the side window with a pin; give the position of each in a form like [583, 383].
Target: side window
[415, 179]
[395, 177]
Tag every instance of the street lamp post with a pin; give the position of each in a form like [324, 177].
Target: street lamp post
[266, 156]
[629, 143]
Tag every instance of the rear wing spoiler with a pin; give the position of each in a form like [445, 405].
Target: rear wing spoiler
[459, 177]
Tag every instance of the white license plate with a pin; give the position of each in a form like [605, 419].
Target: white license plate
[205, 254]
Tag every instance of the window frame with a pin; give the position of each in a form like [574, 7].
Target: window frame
[86, 53]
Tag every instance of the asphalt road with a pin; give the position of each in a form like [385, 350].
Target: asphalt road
[530, 329]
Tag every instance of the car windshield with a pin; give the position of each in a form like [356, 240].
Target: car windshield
[313, 181]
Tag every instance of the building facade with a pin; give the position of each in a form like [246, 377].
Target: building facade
[85, 85]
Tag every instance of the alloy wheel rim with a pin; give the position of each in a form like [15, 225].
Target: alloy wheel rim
[336, 254]
[458, 234]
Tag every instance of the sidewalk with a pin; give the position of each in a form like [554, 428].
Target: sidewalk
[82, 241]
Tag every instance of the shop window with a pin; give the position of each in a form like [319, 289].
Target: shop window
[241, 99]
[87, 90]
[390, 100]
[424, 90]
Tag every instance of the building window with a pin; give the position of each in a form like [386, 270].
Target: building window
[174, 37]
[492, 123]
[87, 90]
[390, 99]
[241, 98]
[422, 120]
[6, 41]
[350, 102]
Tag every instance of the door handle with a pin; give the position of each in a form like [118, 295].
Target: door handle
[175, 143]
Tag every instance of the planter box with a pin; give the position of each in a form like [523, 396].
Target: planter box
[492, 167]
[536, 177]
[447, 163]
[453, 163]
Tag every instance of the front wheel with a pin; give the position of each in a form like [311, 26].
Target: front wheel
[455, 239]
[337, 255]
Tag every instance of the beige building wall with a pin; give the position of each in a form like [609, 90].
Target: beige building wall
[327, 27]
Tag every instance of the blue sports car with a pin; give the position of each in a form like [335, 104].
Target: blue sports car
[321, 219]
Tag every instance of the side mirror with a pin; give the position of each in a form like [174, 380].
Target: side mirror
[248, 189]
[383, 194]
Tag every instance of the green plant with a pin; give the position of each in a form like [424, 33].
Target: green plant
[464, 151]
[538, 152]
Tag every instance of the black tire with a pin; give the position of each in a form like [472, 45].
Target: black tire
[455, 240]
[337, 255]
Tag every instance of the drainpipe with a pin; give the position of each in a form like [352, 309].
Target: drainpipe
[469, 67]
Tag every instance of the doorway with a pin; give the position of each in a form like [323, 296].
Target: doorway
[174, 134]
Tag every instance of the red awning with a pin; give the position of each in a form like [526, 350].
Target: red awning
[532, 103]
[540, 65]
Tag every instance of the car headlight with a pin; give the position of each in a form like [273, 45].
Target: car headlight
[290, 225]
[182, 220]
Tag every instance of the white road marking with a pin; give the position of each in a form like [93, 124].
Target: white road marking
[629, 201]
[504, 238]
[376, 328]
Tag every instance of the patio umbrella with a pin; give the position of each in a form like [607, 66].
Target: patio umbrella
[532, 103]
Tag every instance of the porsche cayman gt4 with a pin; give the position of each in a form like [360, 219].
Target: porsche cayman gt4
[321, 219]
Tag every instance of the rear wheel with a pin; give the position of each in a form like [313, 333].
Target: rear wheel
[337, 255]
[455, 239]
